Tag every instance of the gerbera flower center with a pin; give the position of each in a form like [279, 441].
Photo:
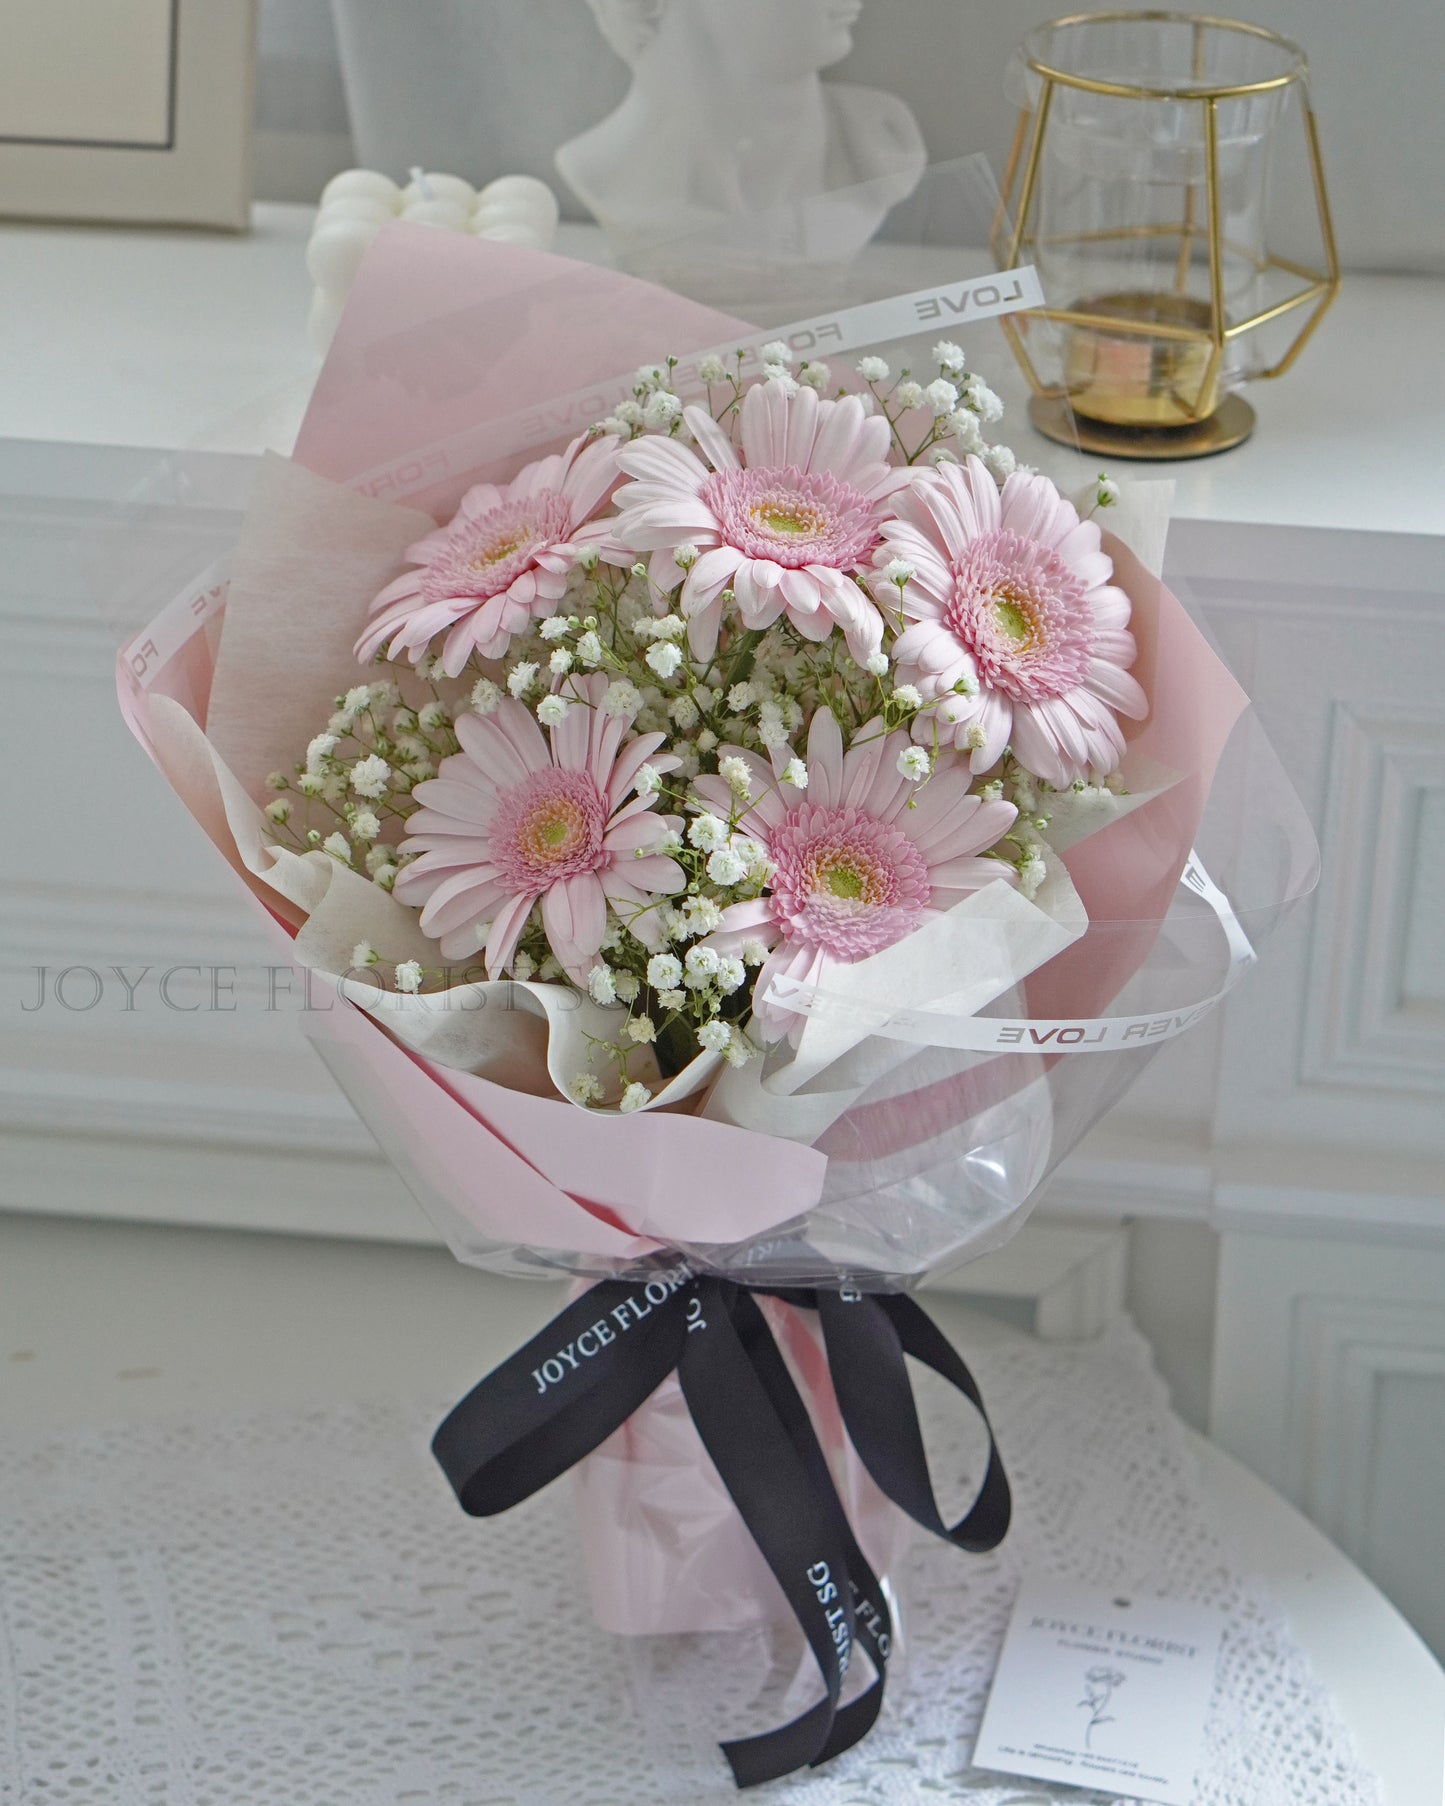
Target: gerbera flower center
[845, 882]
[793, 517]
[548, 827]
[1023, 613]
[488, 552]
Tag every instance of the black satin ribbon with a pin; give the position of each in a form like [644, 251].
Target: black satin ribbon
[580, 1378]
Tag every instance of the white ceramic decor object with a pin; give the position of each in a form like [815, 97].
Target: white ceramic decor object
[355, 205]
[733, 89]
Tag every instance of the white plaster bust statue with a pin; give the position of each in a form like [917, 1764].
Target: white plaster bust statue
[727, 117]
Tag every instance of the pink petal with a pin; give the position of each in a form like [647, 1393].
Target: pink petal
[825, 760]
[507, 926]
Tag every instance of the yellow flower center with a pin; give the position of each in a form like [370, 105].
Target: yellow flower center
[793, 522]
[554, 830]
[495, 553]
[1013, 618]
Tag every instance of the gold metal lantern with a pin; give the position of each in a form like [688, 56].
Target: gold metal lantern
[1165, 179]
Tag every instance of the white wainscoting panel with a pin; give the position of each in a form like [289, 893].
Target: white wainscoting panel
[1329, 1380]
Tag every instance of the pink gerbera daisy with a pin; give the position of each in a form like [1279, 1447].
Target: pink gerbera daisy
[1015, 623]
[785, 525]
[511, 820]
[502, 558]
[855, 867]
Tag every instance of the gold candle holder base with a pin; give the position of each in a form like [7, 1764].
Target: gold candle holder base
[1230, 424]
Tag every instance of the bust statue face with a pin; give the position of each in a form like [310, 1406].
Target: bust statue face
[781, 39]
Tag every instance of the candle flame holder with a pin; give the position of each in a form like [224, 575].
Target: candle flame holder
[1144, 180]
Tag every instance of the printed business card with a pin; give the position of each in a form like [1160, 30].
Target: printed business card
[1101, 1688]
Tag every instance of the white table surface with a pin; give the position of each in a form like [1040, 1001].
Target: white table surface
[167, 339]
[106, 1321]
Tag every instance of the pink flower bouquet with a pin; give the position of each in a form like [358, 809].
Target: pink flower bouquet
[730, 805]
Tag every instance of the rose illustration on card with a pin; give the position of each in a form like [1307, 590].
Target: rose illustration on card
[1100, 1685]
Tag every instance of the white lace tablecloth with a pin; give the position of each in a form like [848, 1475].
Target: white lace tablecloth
[289, 1609]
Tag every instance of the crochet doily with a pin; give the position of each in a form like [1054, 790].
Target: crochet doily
[289, 1609]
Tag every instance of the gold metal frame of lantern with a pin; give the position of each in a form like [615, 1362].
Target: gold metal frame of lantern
[1161, 351]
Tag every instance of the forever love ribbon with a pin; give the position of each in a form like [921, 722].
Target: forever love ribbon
[580, 1378]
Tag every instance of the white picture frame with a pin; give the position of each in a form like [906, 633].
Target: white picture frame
[128, 110]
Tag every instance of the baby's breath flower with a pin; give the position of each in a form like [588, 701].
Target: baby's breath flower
[1033, 869]
[795, 772]
[634, 1097]
[664, 971]
[621, 698]
[899, 571]
[408, 976]
[941, 396]
[707, 833]
[982, 400]
[1108, 491]
[974, 738]
[433, 715]
[740, 1051]
[815, 375]
[552, 710]
[776, 351]
[523, 966]
[664, 658]
[370, 776]
[521, 677]
[731, 975]
[279, 811]
[715, 1036]
[384, 876]
[877, 665]
[701, 915]
[948, 356]
[319, 751]
[602, 985]
[684, 712]
[772, 729]
[642, 1029]
[706, 740]
[365, 825]
[754, 952]
[364, 954]
[627, 985]
[712, 369]
[589, 650]
[341, 724]
[338, 846]
[992, 791]
[648, 781]
[963, 424]
[726, 867]
[736, 774]
[700, 964]
[740, 696]
[560, 662]
[587, 559]
[685, 556]
[377, 857]
[672, 1000]
[555, 627]
[907, 696]
[277, 780]
[660, 409]
[914, 764]
[909, 395]
[966, 685]
[872, 369]
[585, 1089]
[999, 462]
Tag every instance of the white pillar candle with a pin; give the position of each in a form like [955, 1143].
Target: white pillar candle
[368, 183]
[521, 194]
[447, 214]
[336, 249]
[428, 186]
[512, 232]
[321, 325]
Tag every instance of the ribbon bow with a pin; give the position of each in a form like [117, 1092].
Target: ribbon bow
[579, 1379]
